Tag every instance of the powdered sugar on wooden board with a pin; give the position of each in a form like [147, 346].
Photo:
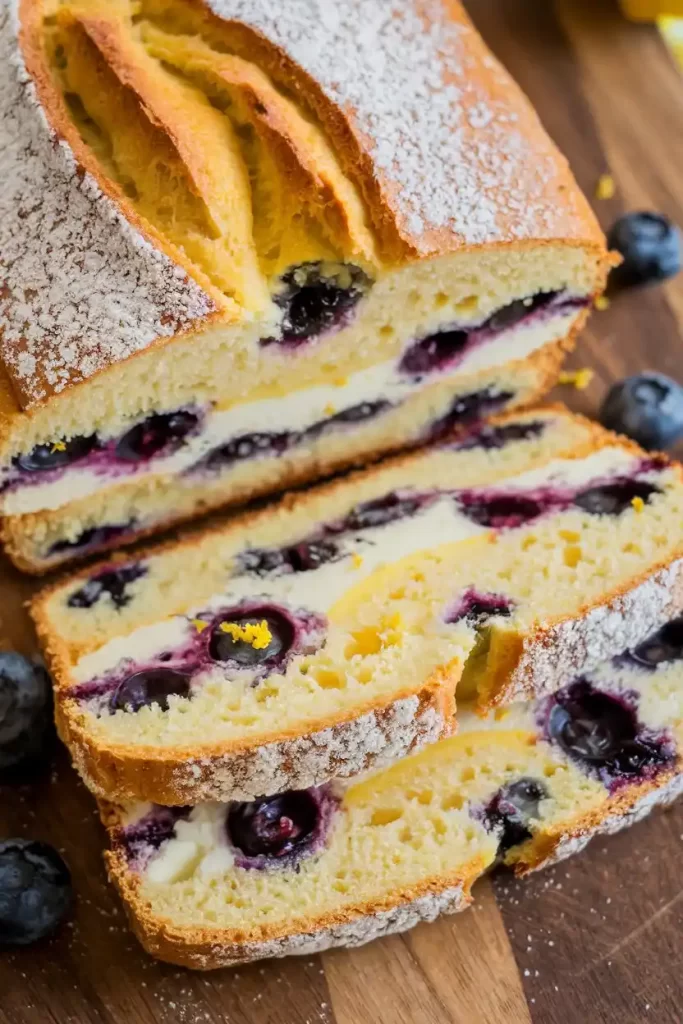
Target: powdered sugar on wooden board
[81, 289]
[441, 119]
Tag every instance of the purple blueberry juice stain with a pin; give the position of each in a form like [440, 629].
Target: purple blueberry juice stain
[355, 414]
[494, 437]
[158, 435]
[326, 544]
[279, 831]
[274, 444]
[113, 581]
[132, 684]
[95, 538]
[601, 732]
[661, 648]
[445, 349]
[315, 304]
[477, 607]
[510, 509]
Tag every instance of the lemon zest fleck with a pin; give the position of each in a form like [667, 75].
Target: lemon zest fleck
[330, 409]
[638, 504]
[341, 382]
[357, 560]
[606, 188]
[255, 633]
[580, 379]
[58, 446]
[199, 625]
[601, 303]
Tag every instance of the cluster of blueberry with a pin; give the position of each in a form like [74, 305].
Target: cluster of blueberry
[647, 407]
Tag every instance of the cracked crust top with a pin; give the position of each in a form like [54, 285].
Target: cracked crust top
[397, 87]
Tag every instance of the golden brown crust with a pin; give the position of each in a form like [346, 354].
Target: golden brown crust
[340, 746]
[526, 666]
[208, 948]
[619, 811]
[560, 212]
[355, 145]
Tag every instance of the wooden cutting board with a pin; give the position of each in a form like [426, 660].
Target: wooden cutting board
[594, 940]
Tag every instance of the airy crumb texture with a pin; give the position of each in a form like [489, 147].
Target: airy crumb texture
[40, 541]
[81, 313]
[504, 788]
[333, 113]
[387, 617]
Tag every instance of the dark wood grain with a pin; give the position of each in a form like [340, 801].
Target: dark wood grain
[593, 941]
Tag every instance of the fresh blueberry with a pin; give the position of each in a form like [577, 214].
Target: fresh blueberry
[274, 826]
[390, 508]
[647, 407]
[55, 455]
[489, 438]
[512, 314]
[470, 408]
[663, 646]
[511, 810]
[246, 446]
[224, 647]
[503, 511]
[650, 246]
[601, 732]
[311, 554]
[161, 432]
[360, 413]
[25, 712]
[437, 351]
[113, 582]
[35, 891]
[613, 499]
[314, 303]
[149, 686]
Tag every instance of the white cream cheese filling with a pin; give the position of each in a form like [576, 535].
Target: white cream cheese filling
[294, 412]
[363, 552]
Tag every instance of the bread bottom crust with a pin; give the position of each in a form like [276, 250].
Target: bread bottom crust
[208, 949]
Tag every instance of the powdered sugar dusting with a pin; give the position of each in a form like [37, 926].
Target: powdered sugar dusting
[81, 289]
[579, 645]
[367, 743]
[443, 124]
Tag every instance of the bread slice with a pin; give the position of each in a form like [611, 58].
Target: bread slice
[233, 250]
[325, 636]
[41, 541]
[221, 884]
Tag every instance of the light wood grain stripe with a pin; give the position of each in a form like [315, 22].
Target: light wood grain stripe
[459, 970]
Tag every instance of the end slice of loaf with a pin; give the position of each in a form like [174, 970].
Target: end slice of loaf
[285, 281]
[526, 787]
[326, 635]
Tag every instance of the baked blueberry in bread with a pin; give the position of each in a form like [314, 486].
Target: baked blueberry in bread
[325, 635]
[242, 247]
[224, 883]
